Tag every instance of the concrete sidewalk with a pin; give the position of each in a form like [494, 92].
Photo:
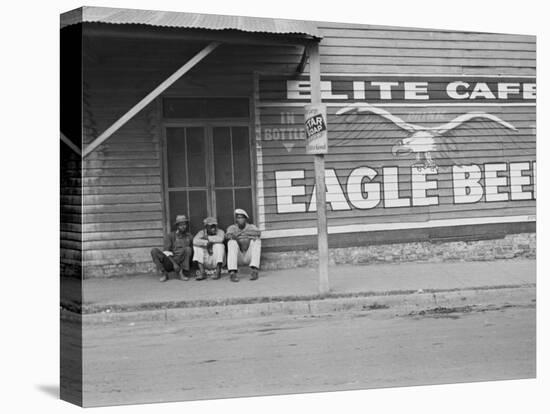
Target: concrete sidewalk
[145, 292]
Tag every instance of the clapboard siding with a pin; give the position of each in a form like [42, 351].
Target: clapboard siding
[421, 61]
[122, 217]
[364, 50]
[70, 213]
[364, 30]
[427, 52]
[432, 44]
[121, 191]
[480, 69]
[99, 182]
[367, 141]
[344, 160]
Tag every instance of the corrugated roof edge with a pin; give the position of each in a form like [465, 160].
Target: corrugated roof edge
[70, 17]
[108, 15]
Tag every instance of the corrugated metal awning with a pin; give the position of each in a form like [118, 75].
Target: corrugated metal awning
[189, 21]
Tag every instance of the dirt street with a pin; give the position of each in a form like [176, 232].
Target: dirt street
[215, 358]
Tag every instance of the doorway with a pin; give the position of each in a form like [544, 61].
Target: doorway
[208, 171]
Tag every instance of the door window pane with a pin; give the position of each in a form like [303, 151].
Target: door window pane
[222, 157]
[196, 157]
[227, 108]
[197, 209]
[177, 169]
[243, 199]
[241, 156]
[224, 208]
[182, 108]
[178, 205]
[205, 108]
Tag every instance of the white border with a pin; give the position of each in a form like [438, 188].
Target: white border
[293, 232]
[442, 104]
[260, 207]
[419, 75]
[355, 228]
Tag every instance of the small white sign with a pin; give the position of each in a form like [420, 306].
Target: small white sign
[316, 129]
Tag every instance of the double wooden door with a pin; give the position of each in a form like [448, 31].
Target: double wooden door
[208, 172]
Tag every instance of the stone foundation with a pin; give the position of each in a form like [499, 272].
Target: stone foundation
[521, 245]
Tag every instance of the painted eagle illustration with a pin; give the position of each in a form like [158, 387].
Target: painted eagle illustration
[424, 140]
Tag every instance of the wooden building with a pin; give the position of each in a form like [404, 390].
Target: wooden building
[432, 133]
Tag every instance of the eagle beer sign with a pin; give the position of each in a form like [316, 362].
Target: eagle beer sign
[316, 129]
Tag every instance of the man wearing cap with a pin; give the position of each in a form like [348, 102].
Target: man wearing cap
[244, 246]
[177, 252]
[208, 248]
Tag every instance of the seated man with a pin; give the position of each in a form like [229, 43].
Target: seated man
[177, 251]
[208, 248]
[244, 246]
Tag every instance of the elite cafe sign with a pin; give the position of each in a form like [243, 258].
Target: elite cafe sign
[433, 89]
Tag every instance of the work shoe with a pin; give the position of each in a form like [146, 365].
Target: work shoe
[163, 277]
[217, 274]
[254, 274]
[201, 275]
[184, 275]
[233, 276]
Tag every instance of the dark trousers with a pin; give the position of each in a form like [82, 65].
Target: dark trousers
[166, 264]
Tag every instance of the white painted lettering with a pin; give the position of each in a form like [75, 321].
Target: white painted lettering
[416, 90]
[453, 92]
[493, 181]
[420, 185]
[466, 184]
[286, 190]
[518, 180]
[361, 194]
[391, 189]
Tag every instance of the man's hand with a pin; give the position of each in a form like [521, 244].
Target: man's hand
[231, 236]
[209, 248]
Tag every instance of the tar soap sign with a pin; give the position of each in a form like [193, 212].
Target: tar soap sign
[316, 129]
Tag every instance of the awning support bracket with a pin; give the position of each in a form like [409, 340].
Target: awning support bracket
[150, 97]
[69, 143]
[303, 61]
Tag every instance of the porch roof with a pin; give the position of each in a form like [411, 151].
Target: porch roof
[190, 21]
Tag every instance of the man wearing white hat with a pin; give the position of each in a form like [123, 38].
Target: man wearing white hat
[208, 248]
[244, 246]
[176, 255]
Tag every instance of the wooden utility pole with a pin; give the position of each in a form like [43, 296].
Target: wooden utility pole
[319, 164]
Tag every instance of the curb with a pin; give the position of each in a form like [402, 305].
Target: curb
[91, 308]
[394, 304]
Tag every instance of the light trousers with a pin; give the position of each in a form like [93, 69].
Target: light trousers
[251, 257]
[209, 261]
